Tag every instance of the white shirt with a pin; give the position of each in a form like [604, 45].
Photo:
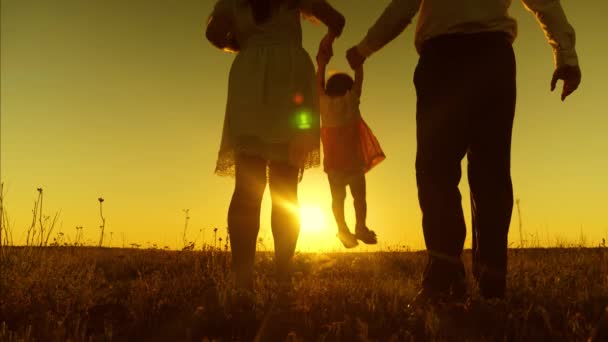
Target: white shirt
[439, 17]
[339, 110]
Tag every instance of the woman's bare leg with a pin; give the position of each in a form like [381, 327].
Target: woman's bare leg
[285, 220]
[244, 216]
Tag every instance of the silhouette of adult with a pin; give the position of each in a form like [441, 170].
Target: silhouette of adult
[271, 126]
[465, 86]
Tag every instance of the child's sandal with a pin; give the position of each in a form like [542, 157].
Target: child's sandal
[348, 239]
[366, 235]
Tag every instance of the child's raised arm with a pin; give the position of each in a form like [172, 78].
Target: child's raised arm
[358, 85]
[321, 79]
[323, 57]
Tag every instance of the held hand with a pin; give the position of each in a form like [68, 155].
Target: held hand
[326, 50]
[324, 54]
[322, 58]
[571, 75]
[355, 59]
[328, 39]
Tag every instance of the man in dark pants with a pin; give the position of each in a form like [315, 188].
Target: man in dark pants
[466, 89]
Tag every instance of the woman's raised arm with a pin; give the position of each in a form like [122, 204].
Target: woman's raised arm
[328, 15]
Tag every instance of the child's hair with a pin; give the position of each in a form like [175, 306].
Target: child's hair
[338, 84]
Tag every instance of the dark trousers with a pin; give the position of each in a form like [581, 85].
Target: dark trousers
[465, 86]
[244, 214]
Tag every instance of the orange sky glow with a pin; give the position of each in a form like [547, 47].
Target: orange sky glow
[125, 100]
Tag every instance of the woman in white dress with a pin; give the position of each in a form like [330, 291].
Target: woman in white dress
[271, 126]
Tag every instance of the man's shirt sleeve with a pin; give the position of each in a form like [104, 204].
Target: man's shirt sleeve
[395, 18]
[558, 30]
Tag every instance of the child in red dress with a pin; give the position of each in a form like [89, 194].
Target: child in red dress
[350, 148]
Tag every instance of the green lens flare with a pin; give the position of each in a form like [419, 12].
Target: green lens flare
[304, 120]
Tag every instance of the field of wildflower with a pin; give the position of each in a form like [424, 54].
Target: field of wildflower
[74, 293]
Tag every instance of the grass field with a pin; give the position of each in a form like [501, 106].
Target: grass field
[85, 293]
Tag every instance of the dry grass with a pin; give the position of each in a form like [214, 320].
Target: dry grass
[85, 293]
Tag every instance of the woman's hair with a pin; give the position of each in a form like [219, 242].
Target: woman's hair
[262, 9]
[338, 84]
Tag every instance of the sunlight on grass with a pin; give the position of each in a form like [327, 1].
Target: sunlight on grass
[102, 294]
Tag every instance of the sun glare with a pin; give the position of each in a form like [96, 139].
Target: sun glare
[312, 218]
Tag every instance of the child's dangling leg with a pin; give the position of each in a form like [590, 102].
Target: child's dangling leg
[338, 196]
[358, 190]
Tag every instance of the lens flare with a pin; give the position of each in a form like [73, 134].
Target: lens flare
[304, 120]
[298, 99]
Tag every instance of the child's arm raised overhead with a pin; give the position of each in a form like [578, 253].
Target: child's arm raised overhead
[323, 57]
[358, 85]
[321, 79]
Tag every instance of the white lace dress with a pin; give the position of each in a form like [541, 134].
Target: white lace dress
[272, 96]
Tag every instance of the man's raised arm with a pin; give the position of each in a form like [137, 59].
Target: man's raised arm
[395, 18]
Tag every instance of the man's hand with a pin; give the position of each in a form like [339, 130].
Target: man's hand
[355, 59]
[571, 75]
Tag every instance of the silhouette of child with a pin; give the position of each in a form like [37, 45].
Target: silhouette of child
[349, 146]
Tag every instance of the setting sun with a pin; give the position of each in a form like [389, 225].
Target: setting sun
[312, 218]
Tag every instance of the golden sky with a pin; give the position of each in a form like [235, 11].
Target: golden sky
[125, 100]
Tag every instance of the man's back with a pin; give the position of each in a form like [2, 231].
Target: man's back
[439, 17]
